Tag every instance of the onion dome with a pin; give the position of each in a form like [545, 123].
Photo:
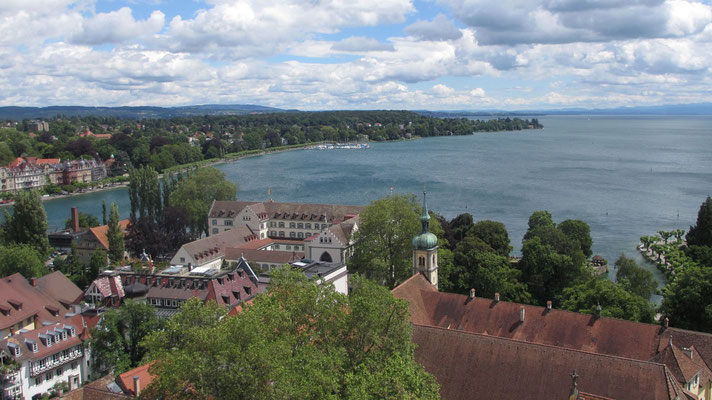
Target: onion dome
[424, 240]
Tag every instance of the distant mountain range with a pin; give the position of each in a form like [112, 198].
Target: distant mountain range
[20, 113]
[674, 109]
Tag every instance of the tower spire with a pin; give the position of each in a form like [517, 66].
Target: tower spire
[424, 216]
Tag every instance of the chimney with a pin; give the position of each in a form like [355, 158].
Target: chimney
[667, 322]
[75, 219]
[521, 314]
[496, 297]
[548, 305]
[472, 293]
[598, 311]
[33, 281]
[137, 386]
[670, 340]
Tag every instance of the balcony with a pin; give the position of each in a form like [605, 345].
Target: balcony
[49, 364]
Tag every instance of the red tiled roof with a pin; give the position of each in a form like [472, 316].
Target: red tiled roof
[255, 244]
[125, 380]
[109, 286]
[265, 256]
[58, 286]
[96, 390]
[552, 327]
[20, 339]
[472, 366]
[16, 289]
[100, 232]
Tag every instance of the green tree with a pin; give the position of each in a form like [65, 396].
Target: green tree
[538, 219]
[383, 249]
[494, 234]
[85, 221]
[701, 233]
[96, 265]
[546, 271]
[115, 236]
[144, 193]
[460, 226]
[301, 340]
[687, 300]
[579, 231]
[115, 342]
[479, 267]
[665, 235]
[28, 223]
[634, 278]
[196, 194]
[21, 258]
[614, 301]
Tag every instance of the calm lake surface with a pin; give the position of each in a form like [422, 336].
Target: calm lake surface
[625, 176]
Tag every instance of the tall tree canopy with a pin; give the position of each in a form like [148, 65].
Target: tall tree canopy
[687, 300]
[551, 259]
[494, 234]
[613, 300]
[477, 266]
[383, 249]
[635, 278]
[701, 233]
[115, 235]
[299, 340]
[21, 258]
[196, 194]
[115, 342]
[28, 223]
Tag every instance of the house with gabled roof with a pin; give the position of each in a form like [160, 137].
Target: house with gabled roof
[209, 251]
[27, 304]
[36, 360]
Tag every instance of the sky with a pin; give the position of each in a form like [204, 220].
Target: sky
[356, 54]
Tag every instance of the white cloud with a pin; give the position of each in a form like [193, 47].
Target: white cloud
[116, 27]
[566, 21]
[440, 28]
[361, 44]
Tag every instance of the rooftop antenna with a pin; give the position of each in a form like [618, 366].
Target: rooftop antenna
[269, 193]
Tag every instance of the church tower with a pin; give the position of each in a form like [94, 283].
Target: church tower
[425, 249]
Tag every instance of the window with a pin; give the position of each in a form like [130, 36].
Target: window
[48, 376]
[38, 380]
[281, 233]
[182, 259]
[289, 247]
[228, 222]
[59, 371]
[307, 225]
[300, 235]
[272, 224]
[292, 224]
[292, 234]
[281, 224]
[300, 225]
[215, 222]
[248, 290]
[215, 230]
[74, 365]
[421, 261]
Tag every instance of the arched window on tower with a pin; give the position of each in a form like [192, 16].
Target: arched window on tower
[421, 261]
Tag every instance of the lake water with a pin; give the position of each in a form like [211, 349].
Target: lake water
[625, 176]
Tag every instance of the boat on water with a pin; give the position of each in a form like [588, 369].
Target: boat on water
[339, 146]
